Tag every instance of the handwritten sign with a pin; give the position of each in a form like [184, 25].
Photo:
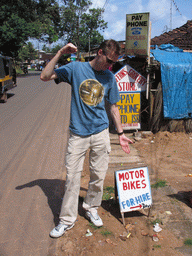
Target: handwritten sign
[133, 187]
[129, 80]
[129, 109]
[130, 83]
[137, 34]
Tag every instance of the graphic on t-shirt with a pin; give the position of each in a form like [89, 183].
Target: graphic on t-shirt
[91, 92]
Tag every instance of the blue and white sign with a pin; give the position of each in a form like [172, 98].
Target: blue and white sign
[134, 190]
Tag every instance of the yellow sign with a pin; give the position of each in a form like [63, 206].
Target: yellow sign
[82, 59]
[129, 108]
[137, 34]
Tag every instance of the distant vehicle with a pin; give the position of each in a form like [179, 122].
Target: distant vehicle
[7, 76]
[24, 68]
[39, 67]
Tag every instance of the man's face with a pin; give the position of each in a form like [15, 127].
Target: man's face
[107, 60]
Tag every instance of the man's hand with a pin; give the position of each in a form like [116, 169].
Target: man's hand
[67, 49]
[124, 142]
[48, 73]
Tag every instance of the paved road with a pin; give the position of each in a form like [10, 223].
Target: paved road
[33, 135]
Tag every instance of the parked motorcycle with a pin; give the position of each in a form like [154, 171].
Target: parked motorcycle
[24, 69]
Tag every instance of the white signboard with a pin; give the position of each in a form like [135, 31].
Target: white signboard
[129, 80]
[130, 84]
[133, 187]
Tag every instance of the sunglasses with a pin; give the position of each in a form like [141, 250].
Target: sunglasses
[109, 61]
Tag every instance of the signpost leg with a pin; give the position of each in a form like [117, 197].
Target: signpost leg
[115, 187]
[149, 212]
[122, 214]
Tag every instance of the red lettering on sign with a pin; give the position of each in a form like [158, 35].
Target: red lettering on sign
[126, 86]
[142, 174]
[131, 172]
[120, 75]
[141, 80]
[131, 175]
[143, 183]
[126, 175]
[121, 176]
[137, 174]
[138, 185]
[133, 74]
[124, 186]
[135, 37]
[132, 183]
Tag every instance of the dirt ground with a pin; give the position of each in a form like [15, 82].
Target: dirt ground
[169, 158]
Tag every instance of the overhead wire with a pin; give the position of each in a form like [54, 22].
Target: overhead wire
[177, 9]
[105, 4]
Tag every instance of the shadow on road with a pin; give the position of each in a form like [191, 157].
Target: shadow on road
[54, 191]
[9, 95]
[183, 196]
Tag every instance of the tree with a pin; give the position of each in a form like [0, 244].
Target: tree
[45, 48]
[27, 53]
[20, 20]
[81, 24]
[90, 24]
[63, 59]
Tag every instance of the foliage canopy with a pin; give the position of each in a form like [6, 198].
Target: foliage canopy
[20, 20]
[73, 21]
[81, 24]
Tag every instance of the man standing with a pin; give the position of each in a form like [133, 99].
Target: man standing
[91, 84]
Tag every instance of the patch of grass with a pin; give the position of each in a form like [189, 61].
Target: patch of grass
[188, 242]
[19, 70]
[156, 246]
[108, 192]
[155, 221]
[93, 226]
[159, 184]
[106, 233]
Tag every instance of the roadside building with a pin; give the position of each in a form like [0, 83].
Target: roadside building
[180, 37]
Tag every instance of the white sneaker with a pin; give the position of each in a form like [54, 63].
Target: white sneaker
[60, 230]
[94, 218]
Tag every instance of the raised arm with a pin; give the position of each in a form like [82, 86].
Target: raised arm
[48, 73]
[123, 140]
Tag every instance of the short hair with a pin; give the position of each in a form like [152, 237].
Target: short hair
[111, 46]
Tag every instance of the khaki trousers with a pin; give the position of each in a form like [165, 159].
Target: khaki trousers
[99, 145]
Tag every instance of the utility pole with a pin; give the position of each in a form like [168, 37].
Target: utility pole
[89, 47]
[171, 16]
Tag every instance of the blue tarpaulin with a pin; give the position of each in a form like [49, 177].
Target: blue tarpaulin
[176, 77]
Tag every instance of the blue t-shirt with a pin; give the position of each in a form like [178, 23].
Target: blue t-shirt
[90, 88]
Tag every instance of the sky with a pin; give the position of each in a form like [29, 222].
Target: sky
[160, 15]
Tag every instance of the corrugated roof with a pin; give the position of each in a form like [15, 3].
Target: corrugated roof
[179, 37]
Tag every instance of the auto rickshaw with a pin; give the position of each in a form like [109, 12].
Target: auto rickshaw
[7, 76]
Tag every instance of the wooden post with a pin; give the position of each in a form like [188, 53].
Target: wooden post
[148, 76]
[122, 214]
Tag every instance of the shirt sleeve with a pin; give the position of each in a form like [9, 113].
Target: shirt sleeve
[64, 74]
[113, 96]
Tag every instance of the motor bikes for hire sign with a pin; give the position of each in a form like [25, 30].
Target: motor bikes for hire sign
[133, 187]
